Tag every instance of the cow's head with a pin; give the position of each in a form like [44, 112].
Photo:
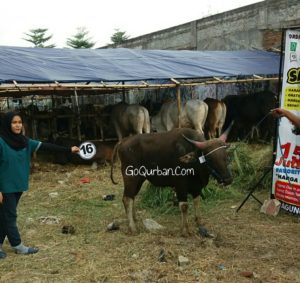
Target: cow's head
[213, 154]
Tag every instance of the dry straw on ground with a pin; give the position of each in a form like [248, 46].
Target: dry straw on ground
[267, 247]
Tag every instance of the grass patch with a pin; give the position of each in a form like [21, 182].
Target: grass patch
[159, 199]
[213, 192]
[248, 163]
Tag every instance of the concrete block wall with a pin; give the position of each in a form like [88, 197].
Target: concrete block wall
[256, 26]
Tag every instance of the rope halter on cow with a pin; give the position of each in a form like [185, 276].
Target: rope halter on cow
[223, 146]
[202, 157]
[203, 160]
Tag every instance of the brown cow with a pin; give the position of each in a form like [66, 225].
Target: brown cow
[215, 117]
[171, 159]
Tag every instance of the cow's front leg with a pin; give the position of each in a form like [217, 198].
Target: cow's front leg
[128, 205]
[134, 211]
[184, 222]
[196, 202]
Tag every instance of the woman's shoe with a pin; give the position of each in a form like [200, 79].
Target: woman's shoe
[30, 251]
[21, 249]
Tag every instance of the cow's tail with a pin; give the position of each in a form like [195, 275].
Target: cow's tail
[113, 158]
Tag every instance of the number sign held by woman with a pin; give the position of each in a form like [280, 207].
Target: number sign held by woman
[87, 150]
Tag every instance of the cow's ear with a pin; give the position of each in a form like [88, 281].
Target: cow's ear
[189, 157]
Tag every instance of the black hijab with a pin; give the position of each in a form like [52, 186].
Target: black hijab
[15, 141]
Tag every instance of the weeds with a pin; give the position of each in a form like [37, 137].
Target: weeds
[161, 200]
[249, 164]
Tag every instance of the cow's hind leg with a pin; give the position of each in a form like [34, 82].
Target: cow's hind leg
[183, 206]
[196, 203]
[132, 187]
[128, 205]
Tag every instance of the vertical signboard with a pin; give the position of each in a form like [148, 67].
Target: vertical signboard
[286, 171]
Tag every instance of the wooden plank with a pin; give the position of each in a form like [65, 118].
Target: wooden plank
[178, 96]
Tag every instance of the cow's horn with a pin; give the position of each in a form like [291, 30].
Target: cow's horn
[198, 144]
[224, 136]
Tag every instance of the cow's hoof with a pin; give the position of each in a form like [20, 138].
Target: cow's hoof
[204, 232]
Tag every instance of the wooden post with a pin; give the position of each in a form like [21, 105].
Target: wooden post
[178, 97]
[123, 93]
[77, 116]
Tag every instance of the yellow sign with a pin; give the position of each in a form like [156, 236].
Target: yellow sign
[293, 76]
[292, 98]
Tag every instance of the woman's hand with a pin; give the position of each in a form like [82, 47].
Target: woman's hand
[293, 118]
[278, 112]
[75, 149]
[1, 197]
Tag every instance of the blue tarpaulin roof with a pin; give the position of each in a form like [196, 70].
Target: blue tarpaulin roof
[44, 65]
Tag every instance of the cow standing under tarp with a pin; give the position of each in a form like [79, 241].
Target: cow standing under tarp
[128, 119]
[250, 113]
[193, 115]
[171, 159]
[215, 117]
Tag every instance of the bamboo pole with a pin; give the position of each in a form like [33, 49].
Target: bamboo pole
[78, 120]
[17, 87]
[178, 96]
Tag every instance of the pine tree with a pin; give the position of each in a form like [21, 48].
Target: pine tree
[119, 37]
[38, 38]
[80, 39]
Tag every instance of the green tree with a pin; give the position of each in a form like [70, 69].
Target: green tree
[80, 39]
[119, 37]
[38, 37]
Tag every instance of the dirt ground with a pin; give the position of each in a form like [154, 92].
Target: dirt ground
[264, 246]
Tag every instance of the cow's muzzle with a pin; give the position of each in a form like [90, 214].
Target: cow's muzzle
[225, 181]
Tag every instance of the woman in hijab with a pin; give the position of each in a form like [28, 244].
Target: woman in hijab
[15, 155]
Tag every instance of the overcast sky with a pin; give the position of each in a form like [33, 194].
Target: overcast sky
[101, 17]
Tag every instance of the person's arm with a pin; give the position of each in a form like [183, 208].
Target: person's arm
[58, 148]
[280, 112]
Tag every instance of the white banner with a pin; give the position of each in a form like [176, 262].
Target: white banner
[286, 171]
